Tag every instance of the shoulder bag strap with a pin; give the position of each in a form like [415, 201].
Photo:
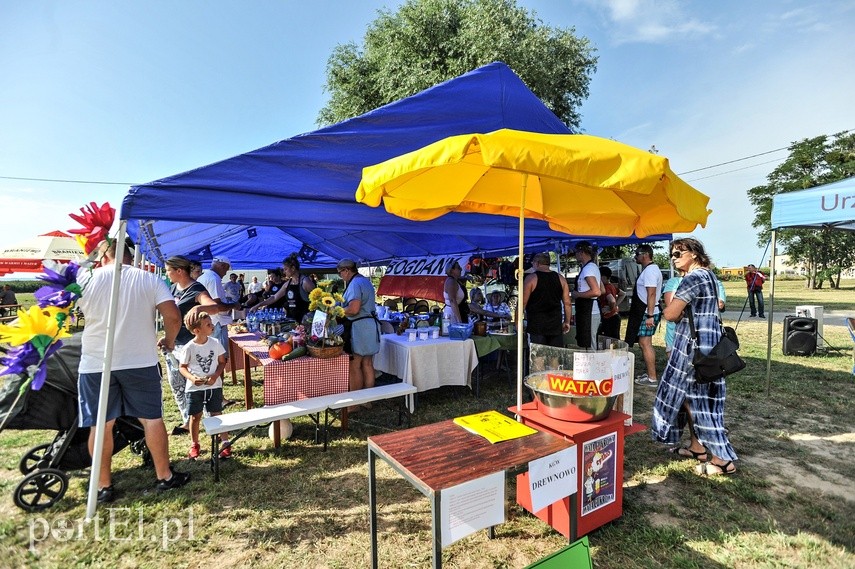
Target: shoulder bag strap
[689, 315]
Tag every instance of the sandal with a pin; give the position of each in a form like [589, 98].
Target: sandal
[686, 452]
[725, 469]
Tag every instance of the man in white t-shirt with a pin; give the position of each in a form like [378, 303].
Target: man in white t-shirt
[644, 313]
[586, 294]
[212, 280]
[135, 379]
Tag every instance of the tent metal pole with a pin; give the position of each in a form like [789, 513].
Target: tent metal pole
[101, 419]
[520, 278]
[771, 316]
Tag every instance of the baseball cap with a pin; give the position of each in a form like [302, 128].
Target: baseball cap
[221, 259]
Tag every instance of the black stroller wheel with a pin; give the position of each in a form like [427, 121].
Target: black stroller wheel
[35, 458]
[140, 448]
[41, 489]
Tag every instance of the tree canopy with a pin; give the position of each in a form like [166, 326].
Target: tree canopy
[812, 162]
[427, 42]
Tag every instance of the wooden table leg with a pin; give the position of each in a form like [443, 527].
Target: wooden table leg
[247, 382]
[233, 358]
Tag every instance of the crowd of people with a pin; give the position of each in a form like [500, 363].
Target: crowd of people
[197, 305]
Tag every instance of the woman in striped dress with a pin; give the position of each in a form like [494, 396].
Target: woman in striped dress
[680, 400]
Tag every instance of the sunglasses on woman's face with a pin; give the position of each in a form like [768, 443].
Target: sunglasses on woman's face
[677, 254]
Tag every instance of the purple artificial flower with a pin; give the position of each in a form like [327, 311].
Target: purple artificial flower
[61, 288]
[19, 359]
[49, 296]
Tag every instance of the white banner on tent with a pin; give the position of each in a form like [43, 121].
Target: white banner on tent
[428, 266]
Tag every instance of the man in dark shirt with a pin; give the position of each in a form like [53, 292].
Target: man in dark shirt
[546, 300]
[7, 298]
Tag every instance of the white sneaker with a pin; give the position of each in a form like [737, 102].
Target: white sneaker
[645, 379]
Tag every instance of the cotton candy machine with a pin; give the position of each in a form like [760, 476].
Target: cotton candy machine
[577, 385]
[579, 405]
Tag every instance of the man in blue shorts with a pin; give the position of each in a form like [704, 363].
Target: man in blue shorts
[135, 380]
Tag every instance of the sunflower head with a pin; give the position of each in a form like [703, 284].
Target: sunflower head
[328, 301]
[41, 326]
[316, 294]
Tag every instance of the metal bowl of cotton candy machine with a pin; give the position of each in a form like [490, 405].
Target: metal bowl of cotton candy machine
[560, 400]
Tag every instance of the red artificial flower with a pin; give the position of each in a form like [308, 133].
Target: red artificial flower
[96, 222]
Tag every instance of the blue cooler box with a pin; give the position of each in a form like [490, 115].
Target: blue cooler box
[459, 331]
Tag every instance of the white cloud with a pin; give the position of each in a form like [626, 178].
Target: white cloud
[649, 21]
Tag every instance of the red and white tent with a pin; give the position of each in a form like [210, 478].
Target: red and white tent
[27, 256]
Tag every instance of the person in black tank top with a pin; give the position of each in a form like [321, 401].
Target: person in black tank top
[546, 298]
[297, 287]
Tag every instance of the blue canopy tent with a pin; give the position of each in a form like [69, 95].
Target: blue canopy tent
[298, 194]
[830, 206]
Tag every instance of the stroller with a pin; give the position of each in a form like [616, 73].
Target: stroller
[55, 407]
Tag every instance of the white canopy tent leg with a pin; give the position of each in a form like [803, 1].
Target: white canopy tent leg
[97, 453]
[771, 316]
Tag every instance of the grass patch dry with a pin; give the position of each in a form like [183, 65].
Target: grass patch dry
[791, 505]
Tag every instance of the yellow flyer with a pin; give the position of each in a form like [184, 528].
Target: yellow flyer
[494, 426]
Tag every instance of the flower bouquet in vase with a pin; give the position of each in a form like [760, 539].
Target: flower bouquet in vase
[325, 339]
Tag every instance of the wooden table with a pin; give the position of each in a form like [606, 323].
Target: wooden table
[427, 364]
[291, 380]
[9, 312]
[439, 456]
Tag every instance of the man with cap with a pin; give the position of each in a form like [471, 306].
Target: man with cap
[644, 312]
[135, 380]
[212, 280]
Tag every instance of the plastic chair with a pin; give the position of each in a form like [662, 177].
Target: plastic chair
[410, 305]
[421, 307]
[391, 303]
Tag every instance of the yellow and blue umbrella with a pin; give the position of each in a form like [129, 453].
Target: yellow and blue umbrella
[579, 184]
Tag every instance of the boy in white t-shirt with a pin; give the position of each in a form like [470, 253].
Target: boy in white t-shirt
[202, 363]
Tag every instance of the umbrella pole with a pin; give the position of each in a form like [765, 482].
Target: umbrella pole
[520, 273]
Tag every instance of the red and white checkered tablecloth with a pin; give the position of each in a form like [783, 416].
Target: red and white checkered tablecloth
[295, 379]
[303, 378]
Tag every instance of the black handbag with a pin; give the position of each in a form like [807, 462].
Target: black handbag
[723, 359]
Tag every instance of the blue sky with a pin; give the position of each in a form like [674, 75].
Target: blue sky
[131, 92]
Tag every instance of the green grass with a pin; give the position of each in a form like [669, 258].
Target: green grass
[792, 504]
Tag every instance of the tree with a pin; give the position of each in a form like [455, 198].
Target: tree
[812, 162]
[430, 41]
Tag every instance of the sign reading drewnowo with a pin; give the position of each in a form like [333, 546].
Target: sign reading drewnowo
[423, 266]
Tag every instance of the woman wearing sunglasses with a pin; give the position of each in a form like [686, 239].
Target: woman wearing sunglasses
[680, 400]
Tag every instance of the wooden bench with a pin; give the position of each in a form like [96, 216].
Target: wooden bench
[243, 421]
[9, 312]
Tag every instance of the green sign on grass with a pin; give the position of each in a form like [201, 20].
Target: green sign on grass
[577, 555]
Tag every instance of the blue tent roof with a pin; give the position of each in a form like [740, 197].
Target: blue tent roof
[298, 194]
[830, 205]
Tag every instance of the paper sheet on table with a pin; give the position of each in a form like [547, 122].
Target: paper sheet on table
[471, 506]
[494, 426]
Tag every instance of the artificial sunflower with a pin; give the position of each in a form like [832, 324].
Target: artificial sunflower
[41, 326]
